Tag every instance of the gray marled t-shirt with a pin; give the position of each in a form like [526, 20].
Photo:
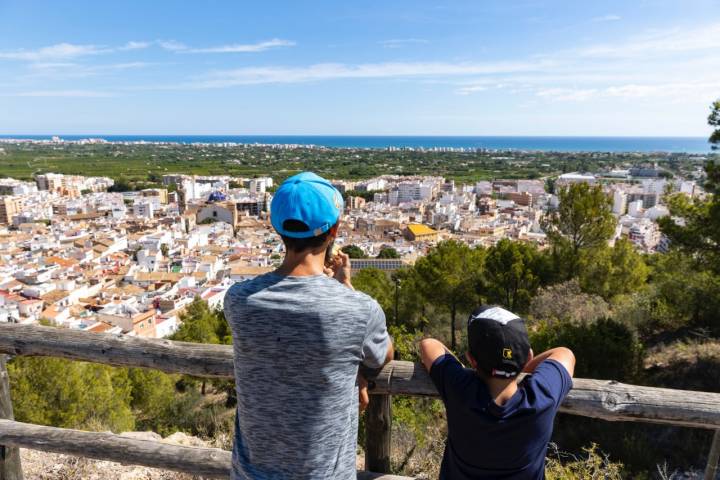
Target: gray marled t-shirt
[298, 342]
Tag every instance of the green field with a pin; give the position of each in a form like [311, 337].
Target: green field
[147, 163]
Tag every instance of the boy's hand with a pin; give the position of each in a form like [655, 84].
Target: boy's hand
[363, 397]
[340, 269]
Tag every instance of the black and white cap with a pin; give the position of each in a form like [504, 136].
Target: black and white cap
[498, 340]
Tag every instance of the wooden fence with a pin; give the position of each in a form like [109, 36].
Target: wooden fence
[607, 400]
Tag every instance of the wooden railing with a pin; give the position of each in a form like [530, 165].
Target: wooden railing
[607, 400]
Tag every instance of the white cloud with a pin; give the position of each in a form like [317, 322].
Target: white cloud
[607, 18]
[52, 65]
[231, 48]
[67, 70]
[53, 52]
[675, 92]
[401, 42]
[663, 43]
[172, 45]
[65, 51]
[471, 89]
[567, 94]
[64, 93]
[333, 71]
[135, 45]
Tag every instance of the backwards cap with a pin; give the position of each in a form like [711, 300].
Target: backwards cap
[307, 198]
[498, 340]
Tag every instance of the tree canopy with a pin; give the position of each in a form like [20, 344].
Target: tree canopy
[693, 225]
[714, 121]
[388, 252]
[376, 283]
[353, 251]
[610, 271]
[582, 221]
[512, 274]
[450, 275]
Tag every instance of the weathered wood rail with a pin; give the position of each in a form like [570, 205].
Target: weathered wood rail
[607, 400]
[205, 462]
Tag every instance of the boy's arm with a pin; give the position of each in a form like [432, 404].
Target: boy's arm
[446, 372]
[564, 356]
[431, 350]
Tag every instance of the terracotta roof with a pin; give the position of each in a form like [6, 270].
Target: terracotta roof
[158, 277]
[249, 270]
[100, 327]
[63, 262]
[54, 295]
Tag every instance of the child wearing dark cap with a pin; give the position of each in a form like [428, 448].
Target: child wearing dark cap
[498, 427]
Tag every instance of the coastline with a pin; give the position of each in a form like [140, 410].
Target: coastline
[687, 145]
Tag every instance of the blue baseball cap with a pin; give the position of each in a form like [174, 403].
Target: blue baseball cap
[307, 198]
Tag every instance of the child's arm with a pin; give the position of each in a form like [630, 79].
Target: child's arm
[431, 350]
[564, 356]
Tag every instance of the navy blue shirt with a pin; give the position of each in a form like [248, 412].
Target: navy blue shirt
[488, 441]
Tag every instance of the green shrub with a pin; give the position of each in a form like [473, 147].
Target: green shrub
[593, 464]
[606, 349]
[69, 394]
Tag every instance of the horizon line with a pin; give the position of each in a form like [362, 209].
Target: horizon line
[95, 135]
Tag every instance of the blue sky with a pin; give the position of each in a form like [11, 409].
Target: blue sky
[483, 67]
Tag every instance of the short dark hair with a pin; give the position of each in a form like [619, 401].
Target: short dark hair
[301, 244]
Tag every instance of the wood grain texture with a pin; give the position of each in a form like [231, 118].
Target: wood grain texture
[206, 462]
[378, 438]
[10, 465]
[713, 468]
[172, 357]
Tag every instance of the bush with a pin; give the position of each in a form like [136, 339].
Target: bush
[592, 464]
[567, 302]
[69, 394]
[605, 349]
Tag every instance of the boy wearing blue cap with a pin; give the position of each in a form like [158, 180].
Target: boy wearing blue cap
[299, 336]
[498, 428]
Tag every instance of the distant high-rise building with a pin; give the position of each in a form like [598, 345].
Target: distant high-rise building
[9, 207]
[619, 202]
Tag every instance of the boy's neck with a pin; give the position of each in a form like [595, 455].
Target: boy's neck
[302, 264]
[501, 389]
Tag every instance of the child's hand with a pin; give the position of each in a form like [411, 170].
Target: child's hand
[363, 397]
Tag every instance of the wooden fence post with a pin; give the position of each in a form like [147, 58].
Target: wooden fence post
[378, 425]
[711, 470]
[10, 468]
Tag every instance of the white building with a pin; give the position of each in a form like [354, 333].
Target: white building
[260, 185]
[143, 208]
[148, 259]
[619, 202]
[411, 192]
[10, 186]
[570, 178]
[635, 209]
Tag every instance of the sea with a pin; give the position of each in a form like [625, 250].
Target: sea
[694, 145]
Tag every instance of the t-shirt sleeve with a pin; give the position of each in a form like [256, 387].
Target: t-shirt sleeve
[377, 340]
[446, 372]
[554, 379]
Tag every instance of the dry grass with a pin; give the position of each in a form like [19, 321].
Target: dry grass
[592, 465]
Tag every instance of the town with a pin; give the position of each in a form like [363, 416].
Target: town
[76, 255]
